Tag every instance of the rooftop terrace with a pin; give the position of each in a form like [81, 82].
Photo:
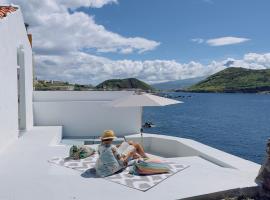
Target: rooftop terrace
[25, 168]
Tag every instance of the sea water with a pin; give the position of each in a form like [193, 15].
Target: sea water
[235, 123]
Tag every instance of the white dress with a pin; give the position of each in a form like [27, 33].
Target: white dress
[107, 163]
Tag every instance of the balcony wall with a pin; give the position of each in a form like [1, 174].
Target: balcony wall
[12, 37]
[85, 113]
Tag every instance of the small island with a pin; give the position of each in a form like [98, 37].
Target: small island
[235, 80]
[124, 84]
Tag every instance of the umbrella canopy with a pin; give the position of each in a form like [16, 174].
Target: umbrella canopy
[143, 99]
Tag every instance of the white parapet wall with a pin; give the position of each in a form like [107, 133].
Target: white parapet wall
[173, 147]
[85, 113]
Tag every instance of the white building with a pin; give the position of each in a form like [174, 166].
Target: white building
[15, 75]
[74, 117]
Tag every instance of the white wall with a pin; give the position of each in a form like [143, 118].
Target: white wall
[12, 36]
[85, 113]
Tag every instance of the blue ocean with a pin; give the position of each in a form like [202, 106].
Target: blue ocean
[235, 123]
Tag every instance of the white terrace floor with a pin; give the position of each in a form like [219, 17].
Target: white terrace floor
[25, 174]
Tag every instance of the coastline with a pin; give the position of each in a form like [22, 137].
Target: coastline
[244, 91]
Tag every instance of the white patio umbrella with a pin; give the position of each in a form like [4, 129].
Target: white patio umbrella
[141, 100]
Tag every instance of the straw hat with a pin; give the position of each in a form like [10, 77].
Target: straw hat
[108, 134]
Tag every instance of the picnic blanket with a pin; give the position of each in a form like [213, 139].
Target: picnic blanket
[142, 183]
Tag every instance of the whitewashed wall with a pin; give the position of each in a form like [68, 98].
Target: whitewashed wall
[12, 36]
[84, 114]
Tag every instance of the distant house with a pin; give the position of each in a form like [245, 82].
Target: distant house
[15, 74]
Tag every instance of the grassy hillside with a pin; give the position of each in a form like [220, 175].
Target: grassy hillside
[235, 80]
[121, 84]
[44, 85]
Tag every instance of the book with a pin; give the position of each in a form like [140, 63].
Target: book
[125, 149]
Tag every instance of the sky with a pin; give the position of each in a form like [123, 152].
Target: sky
[89, 41]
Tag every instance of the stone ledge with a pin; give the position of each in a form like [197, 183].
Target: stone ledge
[248, 191]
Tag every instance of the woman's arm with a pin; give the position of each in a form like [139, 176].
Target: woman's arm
[115, 153]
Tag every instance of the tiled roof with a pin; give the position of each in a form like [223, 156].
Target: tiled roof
[5, 10]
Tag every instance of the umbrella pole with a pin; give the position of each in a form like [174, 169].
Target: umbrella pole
[141, 129]
[142, 139]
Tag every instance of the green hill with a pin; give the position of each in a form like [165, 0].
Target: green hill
[235, 80]
[122, 84]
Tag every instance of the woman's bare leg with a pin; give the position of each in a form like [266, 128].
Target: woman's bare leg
[139, 149]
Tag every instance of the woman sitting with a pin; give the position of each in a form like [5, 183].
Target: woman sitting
[114, 158]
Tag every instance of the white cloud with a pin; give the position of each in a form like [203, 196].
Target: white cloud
[60, 40]
[94, 69]
[198, 40]
[254, 61]
[87, 3]
[57, 31]
[84, 68]
[222, 41]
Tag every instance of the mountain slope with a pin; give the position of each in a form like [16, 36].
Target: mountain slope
[178, 84]
[235, 80]
[128, 83]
